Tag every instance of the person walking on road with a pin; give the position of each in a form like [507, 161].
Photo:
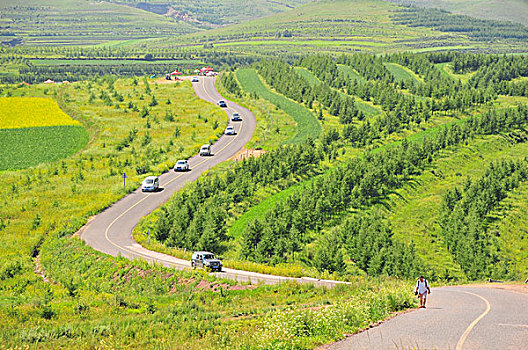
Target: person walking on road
[422, 289]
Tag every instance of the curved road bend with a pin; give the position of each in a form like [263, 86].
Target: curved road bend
[110, 232]
[457, 318]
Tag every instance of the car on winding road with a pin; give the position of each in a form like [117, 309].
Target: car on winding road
[205, 150]
[181, 165]
[195, 80]
[206, 260]
[230, 131]
[151, 183]
[236, 117]
[222, 103]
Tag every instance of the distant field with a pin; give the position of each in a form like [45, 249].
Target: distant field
[307, 124]
[28, 112]
[78, 22]
[103, 62]
[22, 148]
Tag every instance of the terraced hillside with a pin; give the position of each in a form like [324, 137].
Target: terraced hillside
[345, 26]
[84, 22]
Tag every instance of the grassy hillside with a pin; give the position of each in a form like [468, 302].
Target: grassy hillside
[322, 26]
[213, 13]
[504, 10]
[81, 22]
[288, 228]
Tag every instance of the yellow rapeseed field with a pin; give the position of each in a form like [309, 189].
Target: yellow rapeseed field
[28, 112]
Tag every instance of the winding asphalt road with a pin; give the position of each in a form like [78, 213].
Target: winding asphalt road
[110, 232]
[458, 318]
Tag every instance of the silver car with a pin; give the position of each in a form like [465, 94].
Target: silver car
[181, 165]
[206, 261]
[230, 130]
[151, 183]
[205, 150]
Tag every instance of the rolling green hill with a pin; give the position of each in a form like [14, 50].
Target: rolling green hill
[80, 22]
[213, 13]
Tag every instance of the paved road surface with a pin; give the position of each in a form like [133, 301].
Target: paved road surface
[455, 318]
[110, 232]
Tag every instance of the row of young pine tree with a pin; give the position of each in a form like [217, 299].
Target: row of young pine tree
[464, 218]
[196, 218]
[289, 227]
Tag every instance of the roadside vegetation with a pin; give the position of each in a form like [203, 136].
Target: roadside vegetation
[93, 300]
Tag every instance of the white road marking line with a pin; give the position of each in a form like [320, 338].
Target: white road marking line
[464, 336]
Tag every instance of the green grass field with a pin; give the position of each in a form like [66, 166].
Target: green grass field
[349, 72]
[307, 124]
[22, 148]
[401, 73]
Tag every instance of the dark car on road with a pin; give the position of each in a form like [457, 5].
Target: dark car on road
[222, 103]
[236, 117]
[206, 261]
